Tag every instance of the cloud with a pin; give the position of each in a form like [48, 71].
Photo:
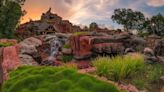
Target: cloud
[77, 11]
[87, 11]
[155, 3]
[90, 10]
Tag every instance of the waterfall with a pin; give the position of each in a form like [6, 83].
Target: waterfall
[54, 48]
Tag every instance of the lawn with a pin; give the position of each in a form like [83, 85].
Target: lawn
[53, 79]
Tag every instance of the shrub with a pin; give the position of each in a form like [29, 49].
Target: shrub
[67, 58]
[66, 46]
[5, 44]
[149, 77]
[119, 68]
[53, 79]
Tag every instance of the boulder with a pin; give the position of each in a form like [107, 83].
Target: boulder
[27, 60]
[28, 49]
[81, 46]
[148, 51]
[134, 42]
[129, 50]
[10, 60]
[161, 59]
[151, 59]
[66, 51]
[31, 41]
[109, 48]
[159, 48]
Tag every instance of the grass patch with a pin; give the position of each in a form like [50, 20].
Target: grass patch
[66, 46]
[5, 44]
[118, 68]
[80, 33]
[148, 79]
[131, 69]
[53, 79]
[67, 58]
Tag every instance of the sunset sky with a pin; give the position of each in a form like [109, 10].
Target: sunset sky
[87, 11]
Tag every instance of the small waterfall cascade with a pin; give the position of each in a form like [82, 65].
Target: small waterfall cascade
[54, 48]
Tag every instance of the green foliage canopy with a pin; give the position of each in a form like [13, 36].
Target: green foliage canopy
[155, 25]
[93, 26]
[10, 14]
[128, 18]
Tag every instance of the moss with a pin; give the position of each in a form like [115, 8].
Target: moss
[5, 44]
[53, 79]
[66, 46]
[80, 33]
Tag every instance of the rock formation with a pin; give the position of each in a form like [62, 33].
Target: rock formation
[48, 24]
[86, 45]
[10, 60]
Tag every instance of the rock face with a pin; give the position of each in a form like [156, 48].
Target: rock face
[10, 60]
[81, 46]
[31, 41]
[159, 48]
[109, 48]
[28, 50]
[84, 46]
[27, 60]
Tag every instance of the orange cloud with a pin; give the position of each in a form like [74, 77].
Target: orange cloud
[156, 3]
[73, 10]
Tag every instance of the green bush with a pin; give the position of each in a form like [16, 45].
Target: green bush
[66, 46]
[119, 68]
[5, 44]
[67, 58]
[53, 79]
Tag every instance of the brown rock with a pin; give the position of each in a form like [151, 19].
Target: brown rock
[27, 60]
[10, 60]
[159, 48]
[109, 48]
[67, 51]
[81, 46]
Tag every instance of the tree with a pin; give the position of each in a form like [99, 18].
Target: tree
[158, 24]
[128, 18]
[86, 28]
[10, 14]
[93, 26]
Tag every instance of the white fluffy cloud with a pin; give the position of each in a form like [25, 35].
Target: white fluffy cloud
[156, 3]
[77, 11]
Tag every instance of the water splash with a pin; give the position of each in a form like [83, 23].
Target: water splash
[54, 48]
